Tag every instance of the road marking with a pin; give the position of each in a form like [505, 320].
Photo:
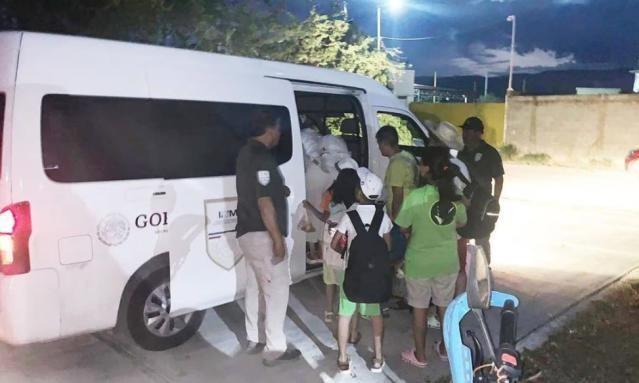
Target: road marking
[216, 333]
[315, 324]
[295, 336]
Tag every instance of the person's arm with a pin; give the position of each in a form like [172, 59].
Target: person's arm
[461, 218]
[269, 218]
[322, 216]
[398, 199]
[499, 185]
[387, 239]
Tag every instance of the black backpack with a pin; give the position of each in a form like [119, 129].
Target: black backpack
[369, 274]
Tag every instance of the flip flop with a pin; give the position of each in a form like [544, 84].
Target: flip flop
[377, 365]
[328, 316]
[442, 357]
[344, 367]
[358, 337]
[409, 357]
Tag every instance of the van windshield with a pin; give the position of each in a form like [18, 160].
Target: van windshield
[87, 138]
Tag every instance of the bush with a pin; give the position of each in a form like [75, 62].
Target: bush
[508, 151]
[536, 158]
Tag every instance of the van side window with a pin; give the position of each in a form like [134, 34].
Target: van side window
[411, 137]
[86, 138]
[339, 115]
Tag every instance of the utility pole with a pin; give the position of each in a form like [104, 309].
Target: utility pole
[513, 20]
[379, 28]
[435, 87]
[486, 85]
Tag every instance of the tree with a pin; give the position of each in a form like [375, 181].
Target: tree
[252, 28]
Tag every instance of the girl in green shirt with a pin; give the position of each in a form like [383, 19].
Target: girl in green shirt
[429, 217]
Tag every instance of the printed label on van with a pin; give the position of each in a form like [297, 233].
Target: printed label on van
[113, 229]
[221, 245]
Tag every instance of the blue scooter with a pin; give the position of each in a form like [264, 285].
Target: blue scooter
[484, 363]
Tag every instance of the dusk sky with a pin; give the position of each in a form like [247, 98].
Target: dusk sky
[473, 36]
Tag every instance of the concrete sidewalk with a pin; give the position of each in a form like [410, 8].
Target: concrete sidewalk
[563, 233]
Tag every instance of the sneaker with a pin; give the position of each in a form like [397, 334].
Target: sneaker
[290, 354]
[433, 322]
[254, 348]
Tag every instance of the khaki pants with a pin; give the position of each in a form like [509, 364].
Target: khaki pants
[267, 289]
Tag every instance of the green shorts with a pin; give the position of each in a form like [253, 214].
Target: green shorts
[347, 308]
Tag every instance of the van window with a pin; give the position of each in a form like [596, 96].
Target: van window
[339, 115]
[411, 137]
[86, 138]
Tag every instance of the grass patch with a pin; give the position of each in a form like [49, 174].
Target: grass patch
[601, 344]
[535, 158]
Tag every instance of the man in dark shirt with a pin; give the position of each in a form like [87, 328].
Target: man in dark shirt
[261, 230]
[485, 166]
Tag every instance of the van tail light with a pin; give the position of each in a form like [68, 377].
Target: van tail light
[15, 230]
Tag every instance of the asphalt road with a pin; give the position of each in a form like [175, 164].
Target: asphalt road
[562, 234]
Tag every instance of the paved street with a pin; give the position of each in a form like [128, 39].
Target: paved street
[563, 233]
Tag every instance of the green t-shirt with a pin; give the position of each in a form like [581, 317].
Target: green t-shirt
[432, 247]
[401, 172]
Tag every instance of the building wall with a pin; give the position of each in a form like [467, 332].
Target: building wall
[492, 114]
[574, 128]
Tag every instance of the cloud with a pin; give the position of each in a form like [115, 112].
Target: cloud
[482, 60]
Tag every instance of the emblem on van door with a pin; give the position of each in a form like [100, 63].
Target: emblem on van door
[221, 244]
[113, 229]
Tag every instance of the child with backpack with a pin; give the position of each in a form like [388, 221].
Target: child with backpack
[430, 216]
[339, 198]
[365, 232]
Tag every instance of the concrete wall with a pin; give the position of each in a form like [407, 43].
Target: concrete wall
[491, 113]
[574, 128]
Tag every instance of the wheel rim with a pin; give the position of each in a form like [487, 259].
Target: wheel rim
[157, 309]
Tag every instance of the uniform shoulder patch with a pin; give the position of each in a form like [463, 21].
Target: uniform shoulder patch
[263, 177]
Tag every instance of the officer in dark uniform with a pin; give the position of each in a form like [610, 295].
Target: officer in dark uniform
[485, 166]
[261, 231]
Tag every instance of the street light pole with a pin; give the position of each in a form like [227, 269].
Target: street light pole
[513, 20]
[379, 28]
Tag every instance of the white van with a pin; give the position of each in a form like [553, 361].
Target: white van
[117, 188]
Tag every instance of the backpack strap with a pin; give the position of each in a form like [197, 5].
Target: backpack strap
[376, 223]
[356, 220]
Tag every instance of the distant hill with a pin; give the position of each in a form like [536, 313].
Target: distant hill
[544, 83]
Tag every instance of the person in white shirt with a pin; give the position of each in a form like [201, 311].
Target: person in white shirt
[368, 192]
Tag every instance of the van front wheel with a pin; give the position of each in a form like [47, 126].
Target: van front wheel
[149, 320]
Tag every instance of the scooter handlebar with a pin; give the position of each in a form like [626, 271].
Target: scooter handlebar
[508, 331]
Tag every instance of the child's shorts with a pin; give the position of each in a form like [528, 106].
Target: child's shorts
[332, 274]
[440, 289]
[348, 308]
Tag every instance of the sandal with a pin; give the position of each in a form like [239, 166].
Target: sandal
[377, 365]
[328, 316]
[344, 367]
[358, 337]
[442, 357]
[409, 357]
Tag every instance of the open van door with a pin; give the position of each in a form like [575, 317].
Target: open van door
[206, 265]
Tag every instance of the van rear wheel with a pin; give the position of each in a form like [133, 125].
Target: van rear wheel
[148, 317]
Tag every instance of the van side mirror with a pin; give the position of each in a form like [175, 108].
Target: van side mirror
[479, 286]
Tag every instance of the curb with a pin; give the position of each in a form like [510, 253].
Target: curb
[537, 336]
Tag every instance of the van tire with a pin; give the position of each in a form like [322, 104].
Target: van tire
[164, 332]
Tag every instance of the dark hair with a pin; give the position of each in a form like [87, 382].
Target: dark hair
[442, 173]
[344, 187]
[261, 119]
[387, 135]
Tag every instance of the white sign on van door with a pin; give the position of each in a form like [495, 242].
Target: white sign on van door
[221, 219]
